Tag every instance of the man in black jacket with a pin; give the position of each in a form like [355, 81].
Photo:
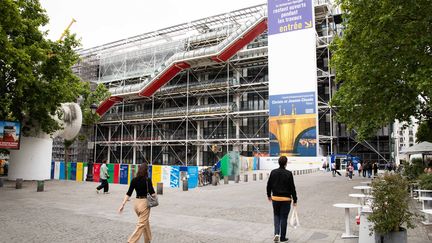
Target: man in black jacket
[281, 191]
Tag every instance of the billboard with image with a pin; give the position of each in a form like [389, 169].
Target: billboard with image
[10, 132]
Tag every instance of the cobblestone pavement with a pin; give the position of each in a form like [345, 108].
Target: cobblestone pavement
[70, 211]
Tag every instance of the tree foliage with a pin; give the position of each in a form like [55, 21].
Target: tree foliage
[35, 73]
[96, 96]
[424, 132]
[383, 63]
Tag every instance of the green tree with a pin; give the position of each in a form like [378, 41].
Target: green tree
[383, 63]
[89, 97]
[35, 73]
[424, 131]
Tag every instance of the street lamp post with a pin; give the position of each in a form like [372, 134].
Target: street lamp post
[93, 108]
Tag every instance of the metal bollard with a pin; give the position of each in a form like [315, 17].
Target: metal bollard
[261, 176]
[213, 182]
[18, 184]
[225, 179]
[254, 177]
[245, 178]
[159, 188]
[185, 185]
[1, 182]
[40, 186]
[237, 179]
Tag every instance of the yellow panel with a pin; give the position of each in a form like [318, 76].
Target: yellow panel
[156, 174]
[79, 171]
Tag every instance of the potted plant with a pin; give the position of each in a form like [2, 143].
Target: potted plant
[390, 209]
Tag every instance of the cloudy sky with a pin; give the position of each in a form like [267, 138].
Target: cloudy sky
[103, 21]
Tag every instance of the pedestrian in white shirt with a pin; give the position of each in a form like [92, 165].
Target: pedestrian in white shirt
[103, 175]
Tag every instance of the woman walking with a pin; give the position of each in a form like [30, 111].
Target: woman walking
[142, 185]
[350, 170]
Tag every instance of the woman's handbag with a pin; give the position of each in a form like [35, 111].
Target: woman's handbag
[151, 201]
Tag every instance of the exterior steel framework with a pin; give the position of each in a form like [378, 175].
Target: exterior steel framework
[212, 107]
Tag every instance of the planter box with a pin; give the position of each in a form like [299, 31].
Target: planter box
[392, 237]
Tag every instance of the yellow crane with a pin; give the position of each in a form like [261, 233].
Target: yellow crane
[66, 30]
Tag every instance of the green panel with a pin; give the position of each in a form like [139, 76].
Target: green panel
[69, 169]
[110, 173]
[225, 165]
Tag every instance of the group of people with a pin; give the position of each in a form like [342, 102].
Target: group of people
[280, 189]
[366, 168]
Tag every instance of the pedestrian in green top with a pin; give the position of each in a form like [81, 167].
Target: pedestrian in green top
[103, 175]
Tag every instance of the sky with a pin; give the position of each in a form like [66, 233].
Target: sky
[104, 21]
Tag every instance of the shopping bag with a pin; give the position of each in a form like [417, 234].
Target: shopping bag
[294, 220]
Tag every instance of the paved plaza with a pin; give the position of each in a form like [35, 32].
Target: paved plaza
[69, 211]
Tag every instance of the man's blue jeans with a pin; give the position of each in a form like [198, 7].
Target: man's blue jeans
[280, 213]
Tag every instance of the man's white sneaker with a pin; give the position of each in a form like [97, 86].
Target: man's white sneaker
[276, 238]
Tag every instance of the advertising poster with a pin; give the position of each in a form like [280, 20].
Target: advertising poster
[10, 134]
[293, 120]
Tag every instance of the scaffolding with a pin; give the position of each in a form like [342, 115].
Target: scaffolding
[215, 104]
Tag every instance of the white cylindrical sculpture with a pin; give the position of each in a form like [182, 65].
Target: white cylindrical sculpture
[33, 160]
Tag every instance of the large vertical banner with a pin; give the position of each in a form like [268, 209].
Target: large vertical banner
[293, 121]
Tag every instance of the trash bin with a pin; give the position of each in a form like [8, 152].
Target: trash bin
[18, 183]
[159, 188]
[185, 184]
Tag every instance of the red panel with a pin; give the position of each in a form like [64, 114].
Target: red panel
[164, 78]
[96, 171]
[107, 104]
[116, 173]
[240, 43]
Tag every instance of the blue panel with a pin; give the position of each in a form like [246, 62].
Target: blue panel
[150, 170]
[62, 170]
[193, 176]
[124, 174]
[72, 173]
[52, 169]
[175, 175]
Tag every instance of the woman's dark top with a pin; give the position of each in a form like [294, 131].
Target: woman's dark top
[140, 186]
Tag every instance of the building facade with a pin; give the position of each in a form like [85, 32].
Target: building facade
[212, 105]
[404, 136]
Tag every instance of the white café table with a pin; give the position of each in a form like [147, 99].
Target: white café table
[347, 207]
[363, 188]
